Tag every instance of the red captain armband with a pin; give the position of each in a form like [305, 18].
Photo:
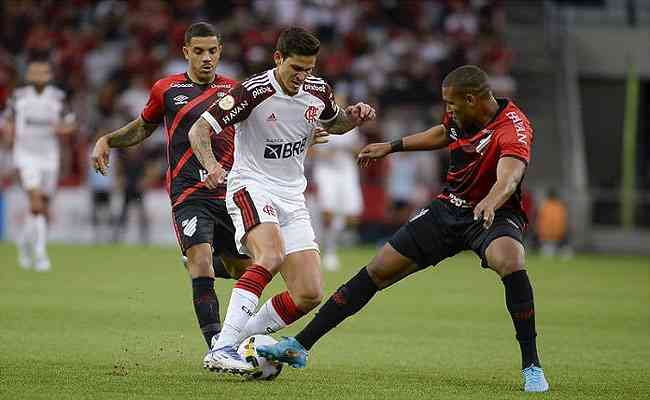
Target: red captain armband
[396, 145]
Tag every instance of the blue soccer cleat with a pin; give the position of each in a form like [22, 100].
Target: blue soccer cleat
[534, 379]
[288, 350]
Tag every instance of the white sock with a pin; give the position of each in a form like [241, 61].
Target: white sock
[240, 309]
[329, 240]
[40, 237]
[265, 321]
[25, 239]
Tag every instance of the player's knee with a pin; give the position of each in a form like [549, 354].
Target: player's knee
[507, 265]
[271, 259]
[200, 264]
[308, 298]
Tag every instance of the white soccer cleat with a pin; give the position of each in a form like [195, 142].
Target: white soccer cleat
[25, 259]
[42, 265]
[226, 360]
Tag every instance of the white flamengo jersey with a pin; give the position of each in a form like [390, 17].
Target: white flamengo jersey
[36, 116]
[272, 129]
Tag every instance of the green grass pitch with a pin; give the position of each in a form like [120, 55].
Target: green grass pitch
[117, 323]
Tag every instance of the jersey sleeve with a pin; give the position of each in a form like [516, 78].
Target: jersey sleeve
[10, 109]
[155, 107]
[331, 109]
[232, 108]
[516, 140]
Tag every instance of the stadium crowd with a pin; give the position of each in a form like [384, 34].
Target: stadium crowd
[392, 54]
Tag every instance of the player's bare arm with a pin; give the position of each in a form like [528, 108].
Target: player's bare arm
[131, 134]
[510, 170]
[432, 139]
[202, 147]
[350, 118]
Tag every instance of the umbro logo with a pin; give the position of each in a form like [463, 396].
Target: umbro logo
[453, 134]
[272, 118]
[189, 226]
[180, 99]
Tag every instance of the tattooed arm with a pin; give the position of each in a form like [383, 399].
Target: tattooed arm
[350, 118]
[132, 133]
[202, 147]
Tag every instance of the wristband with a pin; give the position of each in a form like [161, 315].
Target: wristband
[396, 145]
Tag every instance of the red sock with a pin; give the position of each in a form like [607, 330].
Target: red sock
[254, 279]
[286, 308]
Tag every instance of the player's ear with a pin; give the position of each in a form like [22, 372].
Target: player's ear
[277, 57]
[186, 52]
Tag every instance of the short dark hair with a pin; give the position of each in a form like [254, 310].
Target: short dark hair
[201, 29]
[468, 79]
[297, 41]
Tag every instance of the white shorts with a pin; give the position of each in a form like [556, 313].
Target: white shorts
[338, 193]
[250, 206]
[38, 177]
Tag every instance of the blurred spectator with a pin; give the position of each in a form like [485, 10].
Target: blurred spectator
[393, 54]
[135, 174]
[101, 188]
[552, 225]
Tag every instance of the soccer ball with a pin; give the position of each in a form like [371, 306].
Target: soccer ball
[268, 370]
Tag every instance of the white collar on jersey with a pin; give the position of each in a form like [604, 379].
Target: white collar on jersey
[278, 87]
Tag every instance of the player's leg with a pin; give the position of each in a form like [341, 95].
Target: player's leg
[424, 241]
[257, 234]
[388, 267]
[329, 198]
[301, 273]
[38, 205]
[502, 251]
[194, 227]
[30, 180]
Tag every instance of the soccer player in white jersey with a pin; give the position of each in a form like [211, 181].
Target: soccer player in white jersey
[338, 191]
[37, 116]
[275, 115]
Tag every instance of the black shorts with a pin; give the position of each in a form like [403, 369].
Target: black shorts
[442, 230]
[205, 221]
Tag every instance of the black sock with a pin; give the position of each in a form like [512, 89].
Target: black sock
[519, 300]
[206, 307]
[345, 302]
[219, 268]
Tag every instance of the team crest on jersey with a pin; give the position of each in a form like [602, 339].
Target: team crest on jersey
[269, 210]
[227, 102]
[311, 114]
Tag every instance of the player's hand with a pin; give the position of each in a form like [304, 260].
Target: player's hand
[484, 211]
[372, 152]
[100, 156]
[360, 113]
[321, 136]
[215, 177]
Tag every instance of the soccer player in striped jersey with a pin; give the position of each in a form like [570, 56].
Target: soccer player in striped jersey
[203, 228]
[275, 114]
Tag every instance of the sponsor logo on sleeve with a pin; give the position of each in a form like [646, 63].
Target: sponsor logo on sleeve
[314, 88]
[233, 111]
[261, 90]
[520, 128]
[227, 102]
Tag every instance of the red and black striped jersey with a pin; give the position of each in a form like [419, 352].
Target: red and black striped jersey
[177, 102]
[474, 155]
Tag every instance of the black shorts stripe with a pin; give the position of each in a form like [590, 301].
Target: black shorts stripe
[245, 204]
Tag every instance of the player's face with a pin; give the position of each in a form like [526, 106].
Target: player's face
[461, 107]
[38, 73]
[203, 55]
[293, 70]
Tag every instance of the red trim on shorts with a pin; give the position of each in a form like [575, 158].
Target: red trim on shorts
[246, 205]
